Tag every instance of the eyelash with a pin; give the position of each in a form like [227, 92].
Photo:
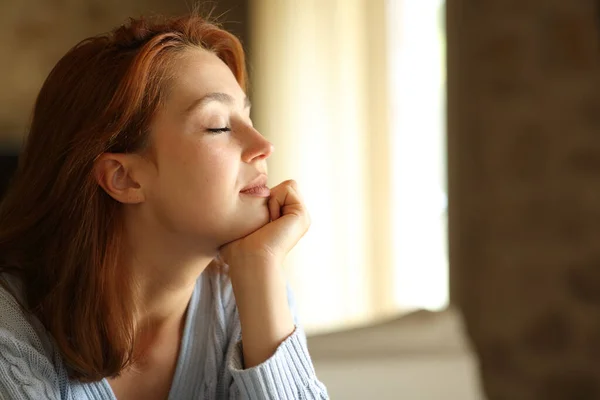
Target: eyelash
[219, 130]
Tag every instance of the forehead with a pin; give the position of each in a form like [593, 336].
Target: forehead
[200, 72]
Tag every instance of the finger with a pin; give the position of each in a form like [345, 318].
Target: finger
[296, 190]
[285, 199]
[292, 183]
[276, 201]
[287, 192]
[289, 221]
[295, 205]
[274, 207]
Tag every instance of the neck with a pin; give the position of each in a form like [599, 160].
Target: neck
[164, 273]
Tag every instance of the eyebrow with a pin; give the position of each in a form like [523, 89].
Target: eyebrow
[215, 96]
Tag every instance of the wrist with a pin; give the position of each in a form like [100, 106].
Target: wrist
[260, 292]
[250, 268]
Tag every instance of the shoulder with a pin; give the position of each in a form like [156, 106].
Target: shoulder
[27, 358]
[17, 323]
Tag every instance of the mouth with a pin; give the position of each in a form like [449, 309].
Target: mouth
[257, 187]
[257, 191]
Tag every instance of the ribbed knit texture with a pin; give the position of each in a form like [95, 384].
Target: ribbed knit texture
[210, 364]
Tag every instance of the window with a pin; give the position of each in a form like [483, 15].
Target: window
[327, 75]
[417, 76]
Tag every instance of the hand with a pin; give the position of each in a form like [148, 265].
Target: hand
[289, 221]
[258, 282]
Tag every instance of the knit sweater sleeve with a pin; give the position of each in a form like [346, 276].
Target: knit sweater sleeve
[288, 374]
[26, 370]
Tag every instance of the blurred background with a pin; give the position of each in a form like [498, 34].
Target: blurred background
[448, 153]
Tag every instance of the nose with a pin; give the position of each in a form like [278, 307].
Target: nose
[256, 146]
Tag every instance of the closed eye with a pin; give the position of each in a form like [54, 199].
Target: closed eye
[219, 130]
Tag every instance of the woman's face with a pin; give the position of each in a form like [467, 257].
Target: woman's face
[206, 151]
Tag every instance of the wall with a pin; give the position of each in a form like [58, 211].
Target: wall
[34, 34]
[524, 160]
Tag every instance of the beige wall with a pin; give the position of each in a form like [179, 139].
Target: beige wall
[524, 159]
[34, 34]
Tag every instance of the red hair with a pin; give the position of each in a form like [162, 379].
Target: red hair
[59, 231]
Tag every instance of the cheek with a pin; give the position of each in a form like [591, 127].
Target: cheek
[194, 161]
[197, 186]
[204, 175]
[215, 168]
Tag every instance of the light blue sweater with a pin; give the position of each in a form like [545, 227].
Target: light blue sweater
[210, 364]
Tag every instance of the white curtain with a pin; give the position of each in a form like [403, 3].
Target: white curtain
[319, 91]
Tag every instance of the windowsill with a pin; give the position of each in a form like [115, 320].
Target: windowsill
[421, 333]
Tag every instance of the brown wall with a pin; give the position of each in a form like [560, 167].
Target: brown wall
[34, 34]
[524, 181]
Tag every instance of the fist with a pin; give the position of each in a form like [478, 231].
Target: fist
[289, 221]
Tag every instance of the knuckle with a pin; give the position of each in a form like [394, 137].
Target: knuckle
[292, 183]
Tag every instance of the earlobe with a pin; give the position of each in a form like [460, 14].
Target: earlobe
[114, 174]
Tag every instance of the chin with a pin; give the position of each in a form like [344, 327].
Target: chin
[249, 224]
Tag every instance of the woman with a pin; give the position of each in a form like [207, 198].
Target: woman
[140, 244]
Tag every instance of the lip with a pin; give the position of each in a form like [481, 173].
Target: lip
[257, 191]
[257, 187]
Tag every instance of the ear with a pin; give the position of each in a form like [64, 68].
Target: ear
[116, 174]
